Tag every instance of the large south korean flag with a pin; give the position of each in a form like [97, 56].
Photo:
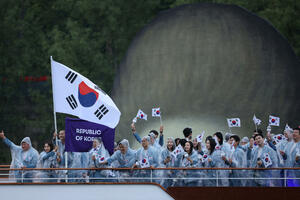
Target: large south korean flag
[76, 95]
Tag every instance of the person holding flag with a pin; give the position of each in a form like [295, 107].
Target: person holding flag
[168, 159]
[146, 157]
[224, 152]
[283, 145]
[47, 159]
[237, 160]
[209, 159]
[188, 159]
[260, 157]
[159, 141]
[99, 158]
[291, 155]
[125, 157]
[92, 159]
[62, 156]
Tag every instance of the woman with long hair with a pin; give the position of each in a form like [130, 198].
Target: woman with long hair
[188, 159]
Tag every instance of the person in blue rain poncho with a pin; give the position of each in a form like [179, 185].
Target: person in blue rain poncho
[158, 140]
[92, 162]
[237, 159]
[62, 157]
[223, 151]
[209, 159]
[283, 145]
[168, 159]
[146, 157]
[47, 159]
[281, 148]
[79, 160]
[291, 155]
[188, 159]
[99, 159]
[262, 156]
[244, 144]
[23, 156]
[125, 157]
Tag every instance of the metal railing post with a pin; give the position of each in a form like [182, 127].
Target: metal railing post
[22, 176]
[151, 174]
[284, 174]
[217, 176]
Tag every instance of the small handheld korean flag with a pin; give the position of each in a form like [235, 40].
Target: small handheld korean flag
[177, 151]
[278, 138]
[141, 115]
[204, 157]
[155, 112]
[144, 163]
[274, 121]
[101, 159]
[234, 122]
[267, 160]
[200, 137]
[256, 121]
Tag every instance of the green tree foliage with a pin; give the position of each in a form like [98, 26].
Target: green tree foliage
[90, 36]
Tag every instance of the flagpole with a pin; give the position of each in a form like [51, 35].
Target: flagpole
[255, 122]
[229, 129]
[160, 120]
[55, 128]
[54, 113]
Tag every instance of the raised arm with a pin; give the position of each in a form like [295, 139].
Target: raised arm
[135, 134]
[7, 142]
[161, 136]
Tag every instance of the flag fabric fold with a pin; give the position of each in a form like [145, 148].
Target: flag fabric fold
[76, 95]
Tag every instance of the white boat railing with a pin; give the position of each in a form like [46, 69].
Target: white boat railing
[278, 177]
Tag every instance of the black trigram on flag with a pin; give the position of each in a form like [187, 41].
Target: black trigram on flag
[101, 111]
[72, 102]
[71, 76]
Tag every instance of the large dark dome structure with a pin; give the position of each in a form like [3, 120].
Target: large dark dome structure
[203, 63]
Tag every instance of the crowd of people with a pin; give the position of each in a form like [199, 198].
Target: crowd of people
[178, 155]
